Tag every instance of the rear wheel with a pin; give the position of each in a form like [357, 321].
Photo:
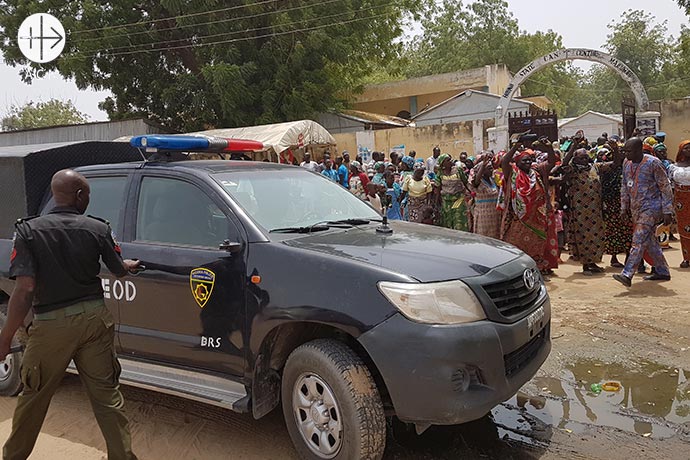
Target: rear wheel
[331, 405]
[10, 378]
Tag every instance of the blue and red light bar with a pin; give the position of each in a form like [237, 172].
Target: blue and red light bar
[195, 143]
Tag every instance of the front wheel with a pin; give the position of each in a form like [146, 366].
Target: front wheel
[10, 377]
[331, 405]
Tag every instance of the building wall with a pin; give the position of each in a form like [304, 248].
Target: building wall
[100, 131]
[592, 126]
[675, 122]
[452, 138]
[467, 106]
[391, 98]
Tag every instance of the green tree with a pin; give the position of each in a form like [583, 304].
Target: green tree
[457, 38]
[643, 44]
[193, 64]
[41, 115]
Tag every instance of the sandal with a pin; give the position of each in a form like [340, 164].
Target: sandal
[617, 264]
[685, 264]
[588, 272]
[596, 269]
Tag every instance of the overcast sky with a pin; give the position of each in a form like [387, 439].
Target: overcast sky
[582, 23]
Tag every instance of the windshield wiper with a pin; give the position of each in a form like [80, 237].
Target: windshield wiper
[324, 225]
[306, 229]
[353, 221]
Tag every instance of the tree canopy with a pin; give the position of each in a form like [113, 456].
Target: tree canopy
[42, 114]
[456, 37]
[194, 64]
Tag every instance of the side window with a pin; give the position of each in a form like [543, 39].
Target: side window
[176, 212]
[107, 198]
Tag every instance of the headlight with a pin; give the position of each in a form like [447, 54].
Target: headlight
[450, 302]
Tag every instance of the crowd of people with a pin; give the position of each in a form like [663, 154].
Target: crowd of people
[608, 197]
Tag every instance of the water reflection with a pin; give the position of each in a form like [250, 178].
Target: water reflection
[651, 398]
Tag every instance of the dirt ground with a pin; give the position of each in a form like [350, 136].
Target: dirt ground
[637, 338]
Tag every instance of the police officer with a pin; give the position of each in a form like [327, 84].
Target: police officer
[55, 262]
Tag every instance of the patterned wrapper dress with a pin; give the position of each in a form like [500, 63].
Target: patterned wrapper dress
[618, 227]
[586, 216]
[454, 195]
[487, 219]
[528, 224]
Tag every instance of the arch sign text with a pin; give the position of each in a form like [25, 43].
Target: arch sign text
[565, 55]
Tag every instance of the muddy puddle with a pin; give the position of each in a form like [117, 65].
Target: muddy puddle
[651, 401]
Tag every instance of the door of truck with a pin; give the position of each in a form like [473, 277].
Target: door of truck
[107, 201]
[189, 303]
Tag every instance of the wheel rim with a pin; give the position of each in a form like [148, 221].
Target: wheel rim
[317, 415]
[6, 368]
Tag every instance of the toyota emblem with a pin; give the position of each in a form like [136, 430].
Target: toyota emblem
[529, 278]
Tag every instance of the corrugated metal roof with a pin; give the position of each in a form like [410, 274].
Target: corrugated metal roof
[374, 118]
[23, 150]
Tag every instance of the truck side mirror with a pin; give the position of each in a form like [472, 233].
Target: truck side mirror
[232, 248]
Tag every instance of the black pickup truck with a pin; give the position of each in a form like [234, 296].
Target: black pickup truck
[269, 285]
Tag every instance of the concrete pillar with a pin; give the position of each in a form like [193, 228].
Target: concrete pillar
[498, 138]
[478, 136]
[649, 123]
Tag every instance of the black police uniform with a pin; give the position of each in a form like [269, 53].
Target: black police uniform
[62, 252]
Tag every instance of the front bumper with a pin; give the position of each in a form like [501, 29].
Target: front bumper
[446, 375]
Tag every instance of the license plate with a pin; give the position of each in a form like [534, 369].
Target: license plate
[535, 318]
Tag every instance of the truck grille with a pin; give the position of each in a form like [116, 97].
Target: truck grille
[512, 297]
[514, 362]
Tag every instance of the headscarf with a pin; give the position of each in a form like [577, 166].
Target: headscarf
[523, 154]
[681, 156]
[409, 161]
[443, 157]
[419, 164]
[660, 146]
[648, 148]
[378, 164]
[651, 141]
[357, 165]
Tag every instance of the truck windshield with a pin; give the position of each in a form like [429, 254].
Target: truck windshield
[293, 199]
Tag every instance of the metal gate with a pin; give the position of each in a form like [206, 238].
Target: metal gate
[629, 118]
[541, 123]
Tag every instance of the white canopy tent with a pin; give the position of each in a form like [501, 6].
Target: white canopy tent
[279, 137]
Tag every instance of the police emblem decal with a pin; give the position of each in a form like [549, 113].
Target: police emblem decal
[201, 280]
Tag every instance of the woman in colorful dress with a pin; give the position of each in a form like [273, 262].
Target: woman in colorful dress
[586, 218]
[528, 222]
[451, 194]
[487, 218]
[680, 177]
[358, 180]
[417, 187]
[618, 227]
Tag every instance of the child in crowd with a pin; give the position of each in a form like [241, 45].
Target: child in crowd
[372, 196]
[393, 197]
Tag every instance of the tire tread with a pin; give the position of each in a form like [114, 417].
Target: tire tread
[361, 388]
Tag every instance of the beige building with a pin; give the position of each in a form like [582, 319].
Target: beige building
[675, 122]
[407, 98]
[457, 124]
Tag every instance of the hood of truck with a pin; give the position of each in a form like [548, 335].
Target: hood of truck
[424, 252]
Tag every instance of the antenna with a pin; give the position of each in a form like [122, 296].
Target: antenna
[384, 228]
[141, 152]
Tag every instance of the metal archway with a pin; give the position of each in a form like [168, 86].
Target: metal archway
[565, 55]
